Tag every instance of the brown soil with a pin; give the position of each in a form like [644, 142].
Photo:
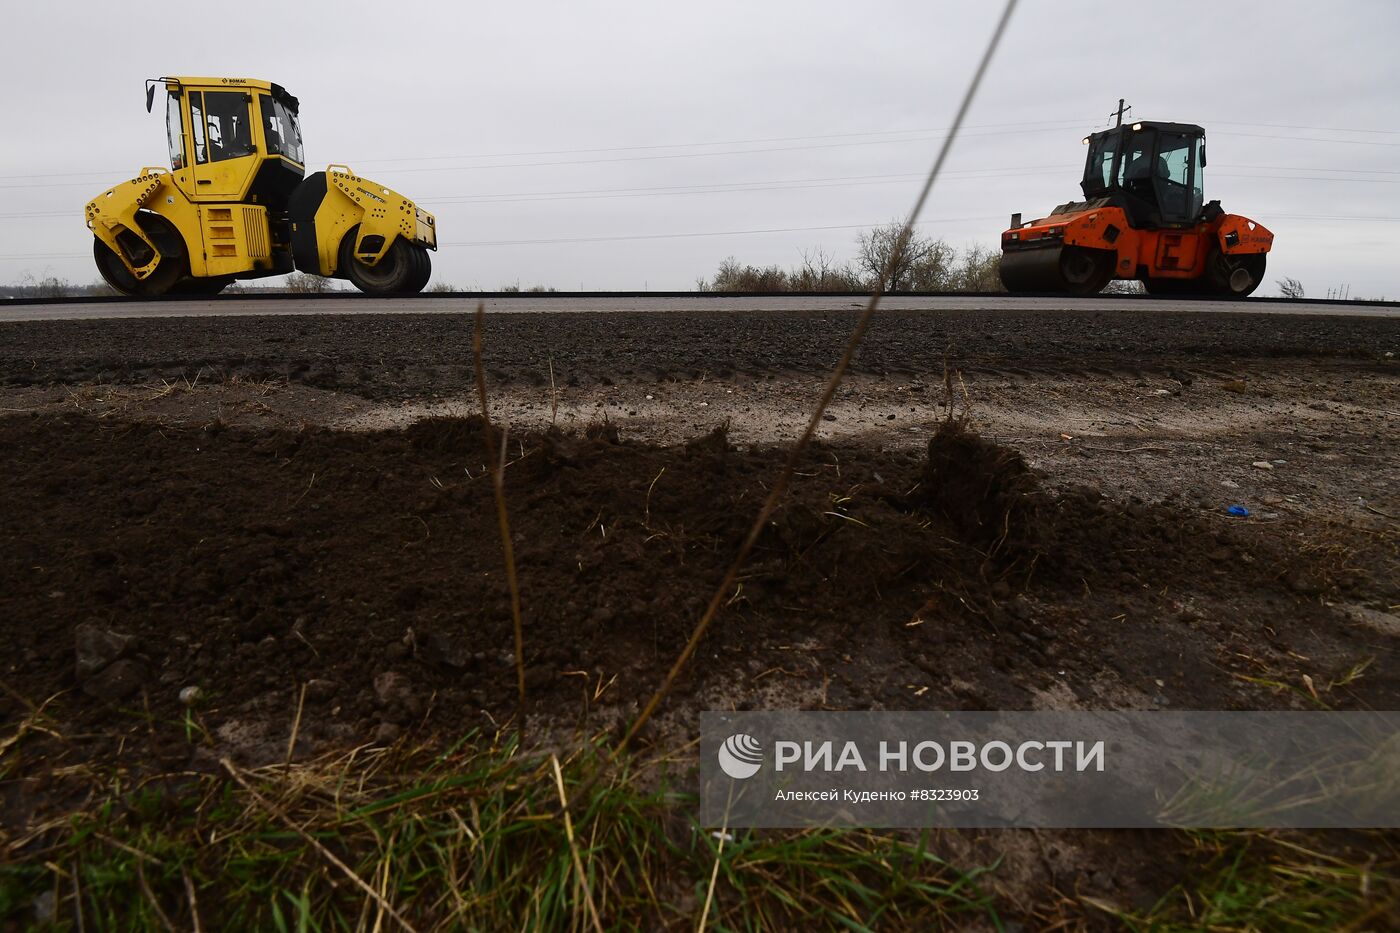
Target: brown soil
[220, 537]
[370, 564]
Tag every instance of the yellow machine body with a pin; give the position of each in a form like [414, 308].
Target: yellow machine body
[235, 204]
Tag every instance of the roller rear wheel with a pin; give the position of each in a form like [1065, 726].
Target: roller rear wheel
[424, 270]
[1235, 276]
[399, 272]
[1085, 271]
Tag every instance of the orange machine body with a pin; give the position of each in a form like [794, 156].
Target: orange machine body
[1144, 216]
[1158, 253]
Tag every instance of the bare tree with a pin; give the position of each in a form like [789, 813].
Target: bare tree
[1290, 288]
[979, 270]
[820, 272]
[903, 261]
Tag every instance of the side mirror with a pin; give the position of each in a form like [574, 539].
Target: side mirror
[150, 96]
[1203, 155]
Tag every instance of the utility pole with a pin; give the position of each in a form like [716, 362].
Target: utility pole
[1121, 110]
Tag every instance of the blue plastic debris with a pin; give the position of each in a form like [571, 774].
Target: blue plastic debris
[1239, 511]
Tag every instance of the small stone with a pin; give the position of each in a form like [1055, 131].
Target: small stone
[1229, 484]
[439, 648]
[1234, 385]
[1262, 465]
[391, 687]
[828, 417]
[96, 648]
[189, 696]
[387, 733]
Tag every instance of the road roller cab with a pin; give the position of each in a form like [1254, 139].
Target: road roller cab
[235, 204]
[1144, 217]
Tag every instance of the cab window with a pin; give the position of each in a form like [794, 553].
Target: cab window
[1176, 163]
[226, 125]
[280, 128]
[201, 147]
[175, 131]
[1175, 157]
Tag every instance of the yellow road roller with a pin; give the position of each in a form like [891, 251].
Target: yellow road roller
[236, 203]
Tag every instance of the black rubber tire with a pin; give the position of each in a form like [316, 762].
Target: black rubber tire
[1085, 271]
[424, 269]
[1235, 276]
[394, 274]
[167, 273]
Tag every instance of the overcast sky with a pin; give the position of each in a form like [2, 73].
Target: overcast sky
[584, 144]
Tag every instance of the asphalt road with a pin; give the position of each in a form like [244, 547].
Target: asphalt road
[235, 306]
[424, 346]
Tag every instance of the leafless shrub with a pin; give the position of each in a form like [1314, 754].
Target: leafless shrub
[926, 265]
[300, 283]
[978, 270]
[50, 286]
[733, 277]
[1124, 287]
[1290, 288]
[820, 272]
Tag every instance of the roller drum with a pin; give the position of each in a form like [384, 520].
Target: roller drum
[1033, 270]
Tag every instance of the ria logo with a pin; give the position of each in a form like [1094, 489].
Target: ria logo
[741, 756]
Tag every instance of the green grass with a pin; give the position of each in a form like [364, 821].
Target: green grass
[1250, 881]
[469, 838]
[472, 836]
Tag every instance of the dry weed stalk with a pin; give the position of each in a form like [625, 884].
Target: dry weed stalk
[497, 467]
[780, 484]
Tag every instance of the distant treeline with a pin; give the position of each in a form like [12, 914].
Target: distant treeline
[926, 264]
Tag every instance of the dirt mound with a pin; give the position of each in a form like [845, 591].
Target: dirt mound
[445, 435]
[986, 491]
[366, 568]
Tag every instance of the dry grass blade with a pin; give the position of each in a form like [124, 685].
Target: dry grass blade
[311, 840]
[296, 727]
[502, 516]
[573, 846]
[779, 487]
[151, 896]
[194, 902]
